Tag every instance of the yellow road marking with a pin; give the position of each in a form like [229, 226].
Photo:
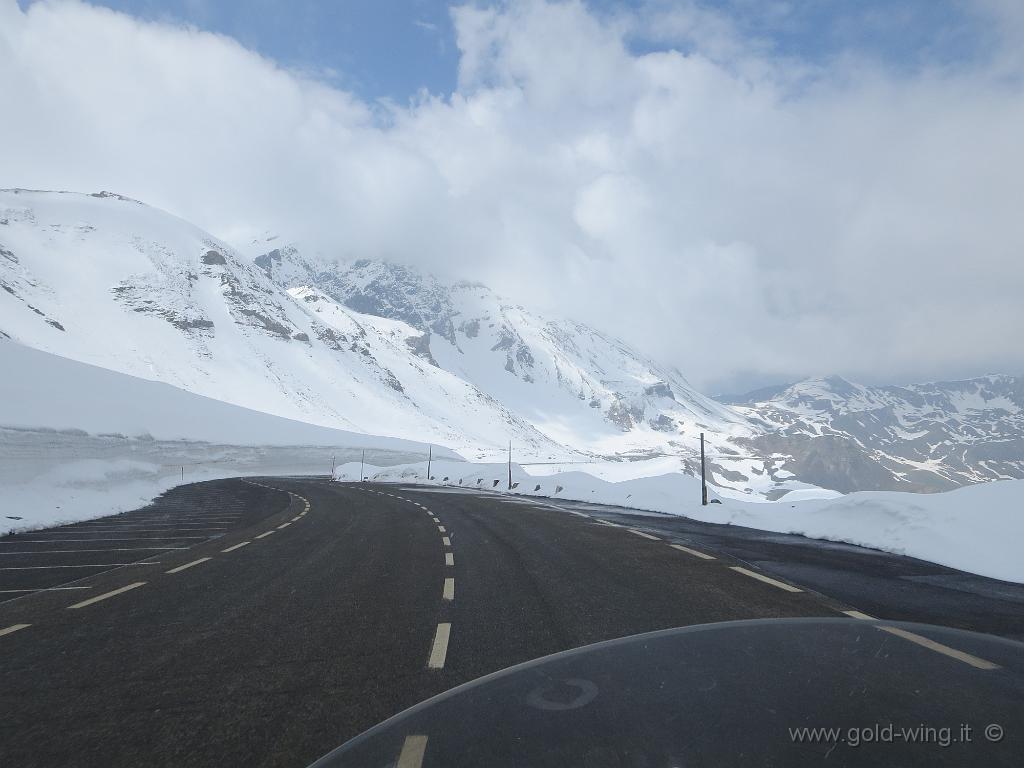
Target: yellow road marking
[449, 589]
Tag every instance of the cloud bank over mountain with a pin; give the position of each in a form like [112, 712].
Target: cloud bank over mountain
[732, 210]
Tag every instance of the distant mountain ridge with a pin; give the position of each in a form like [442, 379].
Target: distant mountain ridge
[923, 437]
[381, 348]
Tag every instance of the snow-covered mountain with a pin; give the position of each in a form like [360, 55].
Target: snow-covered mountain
[381, 349]
[576, 385]
[922, 437]
[112, 282]
[367, 347]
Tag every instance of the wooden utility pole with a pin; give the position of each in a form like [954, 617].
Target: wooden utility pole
[703, 474]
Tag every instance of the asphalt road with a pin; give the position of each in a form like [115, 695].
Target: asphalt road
[286, 615]
[881, 584]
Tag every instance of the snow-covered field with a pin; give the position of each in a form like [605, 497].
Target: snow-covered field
[976, 529]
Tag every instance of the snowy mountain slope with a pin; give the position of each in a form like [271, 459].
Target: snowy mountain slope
[115, 283]
[583, 388]
[377, 348]
[43, 391]
[934, 436]
[574, 384]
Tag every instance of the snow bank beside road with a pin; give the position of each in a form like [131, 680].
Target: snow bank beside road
[49, 477]
[976, 529]
[78, 442]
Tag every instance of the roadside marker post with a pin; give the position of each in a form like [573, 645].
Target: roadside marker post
[703, 475]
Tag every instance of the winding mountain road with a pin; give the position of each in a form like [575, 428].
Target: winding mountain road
[266, 621]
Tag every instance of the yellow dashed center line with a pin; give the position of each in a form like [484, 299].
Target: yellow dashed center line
[449, 558]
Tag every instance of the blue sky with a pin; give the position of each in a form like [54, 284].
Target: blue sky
[393, 48]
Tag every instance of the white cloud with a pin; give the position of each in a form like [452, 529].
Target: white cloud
[733, 213]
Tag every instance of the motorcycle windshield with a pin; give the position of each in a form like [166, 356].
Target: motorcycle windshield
[768, 692]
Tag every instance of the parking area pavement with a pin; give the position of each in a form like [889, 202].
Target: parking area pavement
[56, 559]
